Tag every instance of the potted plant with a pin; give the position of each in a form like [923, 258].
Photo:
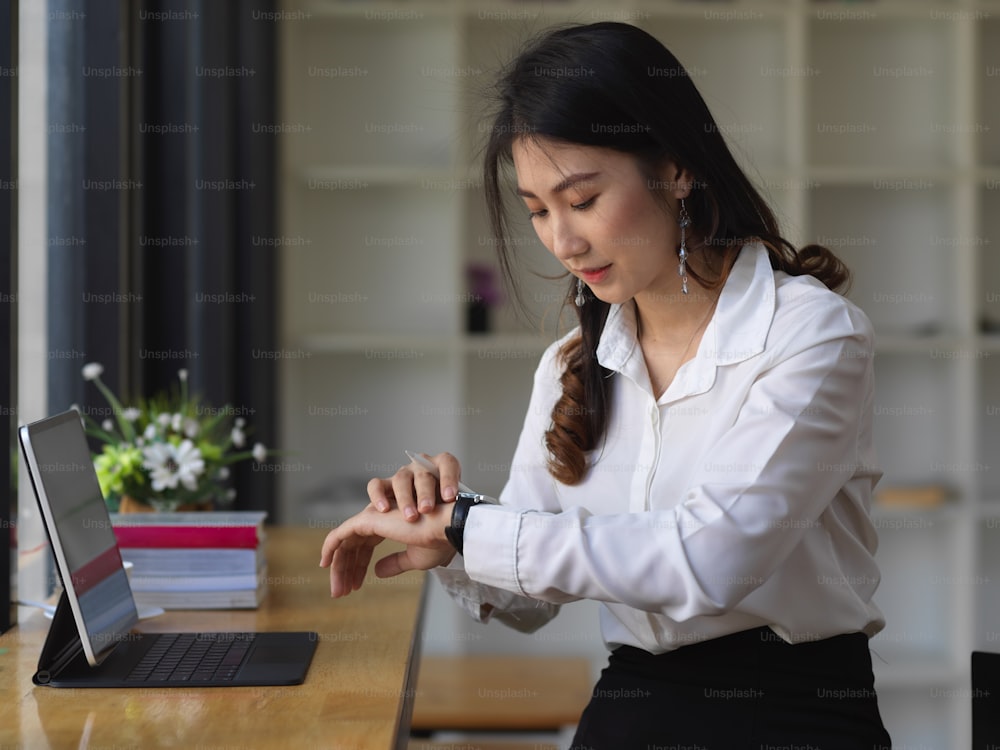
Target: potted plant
[167, 453]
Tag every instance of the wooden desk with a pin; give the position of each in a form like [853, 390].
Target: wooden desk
[358, 693]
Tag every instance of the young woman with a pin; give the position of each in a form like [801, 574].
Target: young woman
[697, 453]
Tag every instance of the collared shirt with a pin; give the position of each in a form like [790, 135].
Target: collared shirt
[739, 498]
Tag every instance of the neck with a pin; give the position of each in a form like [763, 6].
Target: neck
[671, 319]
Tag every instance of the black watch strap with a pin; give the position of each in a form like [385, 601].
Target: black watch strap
[460, 516]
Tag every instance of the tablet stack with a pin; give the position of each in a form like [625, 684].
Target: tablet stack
[194, 560]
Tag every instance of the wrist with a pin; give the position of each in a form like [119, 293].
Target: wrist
[455, 531]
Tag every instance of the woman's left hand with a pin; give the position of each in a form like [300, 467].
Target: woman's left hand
[348, 549]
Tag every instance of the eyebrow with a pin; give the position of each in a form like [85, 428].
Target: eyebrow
[568, 182]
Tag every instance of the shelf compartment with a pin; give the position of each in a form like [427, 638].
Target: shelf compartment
[494, 418]
[922, 717]
[742, 77]
[884, 92]
[988, 430]
[987, 79]
[378, 260]
[918, 593]
[916, 428]
[349, 419]
[987, 599]
[373, 87]
[895, 243]
[988, 248]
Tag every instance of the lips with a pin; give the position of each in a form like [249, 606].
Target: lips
[594, 275]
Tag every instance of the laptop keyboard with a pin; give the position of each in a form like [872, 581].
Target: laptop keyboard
[193, 657]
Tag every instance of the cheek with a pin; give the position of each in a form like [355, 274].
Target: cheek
[642, 224]
[543, 234]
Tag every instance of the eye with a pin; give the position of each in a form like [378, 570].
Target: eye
[540, 213]
[585, 204]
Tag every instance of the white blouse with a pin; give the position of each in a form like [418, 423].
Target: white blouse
[738, 499]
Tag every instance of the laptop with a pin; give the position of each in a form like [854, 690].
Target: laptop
[90, 642]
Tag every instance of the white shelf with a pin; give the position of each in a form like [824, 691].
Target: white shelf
[486, 346]
[363, 176]
[872, 127]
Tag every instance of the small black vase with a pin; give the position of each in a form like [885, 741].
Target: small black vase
[477, 318]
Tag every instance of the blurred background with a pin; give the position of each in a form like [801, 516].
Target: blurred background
[284, 198]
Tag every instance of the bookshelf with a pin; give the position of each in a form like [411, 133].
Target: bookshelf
[874, 127]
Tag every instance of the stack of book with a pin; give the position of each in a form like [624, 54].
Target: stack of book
[194, 560]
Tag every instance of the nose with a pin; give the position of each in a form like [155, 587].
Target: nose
[566, 241]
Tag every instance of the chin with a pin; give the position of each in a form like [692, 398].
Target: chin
[612, 298]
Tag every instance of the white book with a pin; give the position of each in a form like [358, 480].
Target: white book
[242, 599]
[159, 583]
[195, 561]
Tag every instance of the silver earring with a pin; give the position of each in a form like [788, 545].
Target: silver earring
[684, 221]
[580, 299]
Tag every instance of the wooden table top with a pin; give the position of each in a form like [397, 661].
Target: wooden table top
[358, 693]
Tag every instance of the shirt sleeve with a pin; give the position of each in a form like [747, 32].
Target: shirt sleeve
[796, 441]
[529, 487]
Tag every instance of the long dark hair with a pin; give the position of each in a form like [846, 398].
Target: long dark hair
[615, 86]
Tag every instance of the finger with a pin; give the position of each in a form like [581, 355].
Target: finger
[402, 490]
[426, 485]
[380, 493]
[393, 565]
[340, 575]
[330, 546]
[451, 473]
[350, 564]
[363, 557]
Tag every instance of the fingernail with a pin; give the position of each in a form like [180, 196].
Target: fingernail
[448, 493]
[382, 506]
[410, 513]
[426, 506]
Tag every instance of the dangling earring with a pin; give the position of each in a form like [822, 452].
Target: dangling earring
[580, 299]
[684, 221]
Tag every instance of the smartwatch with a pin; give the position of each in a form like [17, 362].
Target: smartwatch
[460, 515]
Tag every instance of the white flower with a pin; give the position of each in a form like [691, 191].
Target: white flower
[169, 464]
[176, 422]
[163, 419]
[230, 494]
[223, 473]
[240, 422]
[238, 437]
[259, 452]
[131, 413]
[191, 427]
[92, 370]
[107, 425]
[150, 432]
[182, 375]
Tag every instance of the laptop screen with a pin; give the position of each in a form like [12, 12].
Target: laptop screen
[83, 541]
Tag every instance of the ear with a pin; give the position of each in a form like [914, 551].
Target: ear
[677, 181]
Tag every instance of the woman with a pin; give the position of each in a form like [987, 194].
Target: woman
[697, 453]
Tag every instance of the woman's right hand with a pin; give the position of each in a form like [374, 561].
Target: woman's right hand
[414, 489]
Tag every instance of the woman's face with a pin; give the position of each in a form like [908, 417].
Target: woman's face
[594, 210]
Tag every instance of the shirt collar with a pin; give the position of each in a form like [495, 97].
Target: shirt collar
[737, 331]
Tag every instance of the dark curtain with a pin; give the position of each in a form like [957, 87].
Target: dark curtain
[161, 179]
[8, 311]
[87, 208]
[208, 174]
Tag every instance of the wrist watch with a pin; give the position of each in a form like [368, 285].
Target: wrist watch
[455, 532]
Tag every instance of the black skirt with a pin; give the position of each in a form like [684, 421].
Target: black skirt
[750, 690]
